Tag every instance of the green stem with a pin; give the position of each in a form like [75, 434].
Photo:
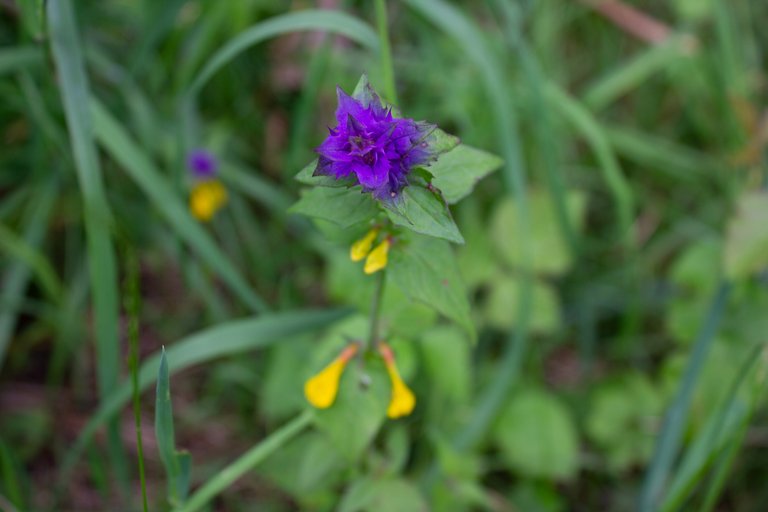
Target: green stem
[387, 70]
[248, 461]
[375, 311]
[132, 308]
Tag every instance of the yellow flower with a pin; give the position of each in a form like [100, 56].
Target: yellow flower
[321, 390]
[402, 400]
[377, 259]
[206, 199]
[362, 247]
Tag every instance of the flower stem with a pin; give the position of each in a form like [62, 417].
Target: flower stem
[387, 70]
[375, 310]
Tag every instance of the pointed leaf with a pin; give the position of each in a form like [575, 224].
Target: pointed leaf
[422, 211]
[426, 270]
[457, 171]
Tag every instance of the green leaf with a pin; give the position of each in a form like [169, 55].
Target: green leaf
[549, 251]
[537, 436]
[746, 245]
[358, 412]
[426, 270]
[502, 304]
[621, 418]
[177, 464]
[424, 212]
[441, 142]
[457, 171]
[341, 206]
[382, 495]
[307, 177]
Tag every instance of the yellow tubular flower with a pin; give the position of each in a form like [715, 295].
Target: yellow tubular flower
[403, 400]
[206, 199]
[362, 247]
[321, 390]
[377, 259]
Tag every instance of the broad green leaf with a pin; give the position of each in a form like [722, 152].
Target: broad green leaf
[306, 176]
[457, 171]
[746, 245]
[502, 305]
[358, 412]
[537, 436]
[426, 270]
[382, 495]
[341, 206]
[18, 58]
[548, 249]
[620, 420]
[424, 212]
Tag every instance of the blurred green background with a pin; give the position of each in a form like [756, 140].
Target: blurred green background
[616, 265]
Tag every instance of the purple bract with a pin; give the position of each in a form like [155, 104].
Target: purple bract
[371, 146]
[202, 164]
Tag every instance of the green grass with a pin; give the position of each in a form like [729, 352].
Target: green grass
[614, 311]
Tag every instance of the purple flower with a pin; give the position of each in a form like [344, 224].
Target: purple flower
[372, 147]
[202, 164]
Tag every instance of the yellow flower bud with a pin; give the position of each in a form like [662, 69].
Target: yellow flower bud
[377, 259]
[402, 400]
[321, 390]
[362, 247]
[206, 199]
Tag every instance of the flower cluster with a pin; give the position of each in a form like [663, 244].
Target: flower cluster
[208, 195]
[372, 146]
[321, 390]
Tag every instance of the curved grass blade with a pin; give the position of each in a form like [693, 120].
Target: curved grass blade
[246, 462]
[669, 440]
[310, 19]
[229, 338]
[577, 114]
[140, 168]
[75, 92]
[611, 86]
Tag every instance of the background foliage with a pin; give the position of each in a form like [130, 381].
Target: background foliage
[615, 265]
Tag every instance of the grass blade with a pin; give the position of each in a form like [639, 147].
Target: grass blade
[17, 275]
[140, 168]
[246, 462]
[609, 87]
[18, 58]
[578, 115]
[166, 440]
[224, 339]
[310, 19]
[75, 93]
[668, 443]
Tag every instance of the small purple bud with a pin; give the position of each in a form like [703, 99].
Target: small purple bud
[202, 164]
